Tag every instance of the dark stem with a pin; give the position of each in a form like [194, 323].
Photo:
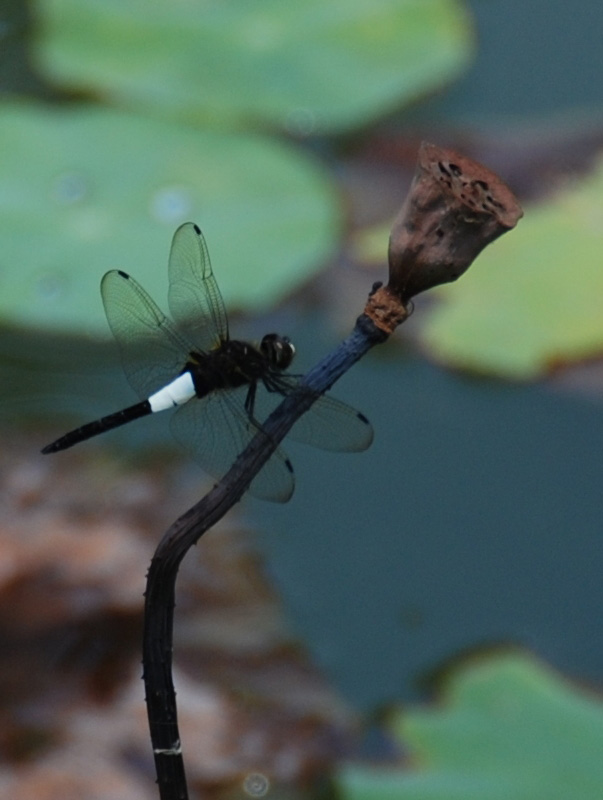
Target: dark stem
[454, 208]
[186, 531]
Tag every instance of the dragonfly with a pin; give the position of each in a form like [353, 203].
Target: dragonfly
[222, 389]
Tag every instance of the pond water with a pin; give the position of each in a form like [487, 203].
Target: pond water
[474, 520]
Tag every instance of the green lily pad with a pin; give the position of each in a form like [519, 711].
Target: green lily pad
[506, 728]
[307, 67]
[533, 298]
[84, 191]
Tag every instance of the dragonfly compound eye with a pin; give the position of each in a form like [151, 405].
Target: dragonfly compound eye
[278, 350]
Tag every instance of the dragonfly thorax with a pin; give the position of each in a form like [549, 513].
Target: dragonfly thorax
[235, 363]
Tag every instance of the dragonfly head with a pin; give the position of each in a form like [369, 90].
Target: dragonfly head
[278, 350]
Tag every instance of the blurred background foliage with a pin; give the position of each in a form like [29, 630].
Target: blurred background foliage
[192, 112]
[500, 711]
[225, 114]
[107, 187]
[308, 68]
[289, 132]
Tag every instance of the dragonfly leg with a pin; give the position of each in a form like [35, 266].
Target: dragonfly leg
[250, 399]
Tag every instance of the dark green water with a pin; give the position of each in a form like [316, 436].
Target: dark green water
[476, 518]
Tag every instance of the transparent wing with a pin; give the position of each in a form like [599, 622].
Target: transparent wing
[215, 430]
[194, 297]
[152, 351]
[328, 425]
[333, 425]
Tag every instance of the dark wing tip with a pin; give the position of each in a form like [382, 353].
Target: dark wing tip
[50, 448]
[123, 274]
[287, 493]
[365, 435]
[369, 433]
[196, 228]
[280, 493]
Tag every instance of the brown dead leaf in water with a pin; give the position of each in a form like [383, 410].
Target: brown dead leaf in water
[76, 538]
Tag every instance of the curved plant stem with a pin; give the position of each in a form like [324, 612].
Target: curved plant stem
[455, 207]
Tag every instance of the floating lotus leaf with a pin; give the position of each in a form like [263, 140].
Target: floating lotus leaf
[306, 67]
[507, 728]
[88, 190]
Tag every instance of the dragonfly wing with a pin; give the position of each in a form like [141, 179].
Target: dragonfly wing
[215, 430]
[152, 351]
[194, 297]
[333, 425]
[329, 424]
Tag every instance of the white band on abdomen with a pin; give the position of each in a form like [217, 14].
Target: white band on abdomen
[176, 393]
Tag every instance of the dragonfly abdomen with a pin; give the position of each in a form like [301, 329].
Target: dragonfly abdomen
[99, 426]
[176, 393]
